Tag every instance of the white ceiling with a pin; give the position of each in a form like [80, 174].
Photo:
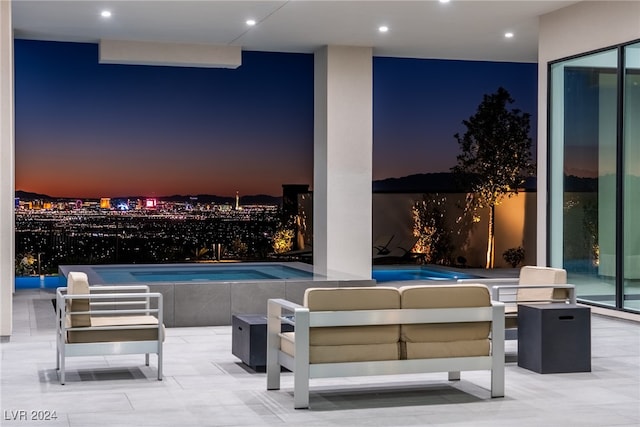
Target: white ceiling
[471, 30]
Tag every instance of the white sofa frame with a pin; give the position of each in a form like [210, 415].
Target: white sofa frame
[507, 293]
[109, 300]
[303, 319]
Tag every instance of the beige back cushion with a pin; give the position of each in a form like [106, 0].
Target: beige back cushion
[533, 275]
[445, 296]
[353, 298]
[78, 284]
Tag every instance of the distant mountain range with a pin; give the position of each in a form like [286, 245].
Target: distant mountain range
[441, 182]
[446, 182]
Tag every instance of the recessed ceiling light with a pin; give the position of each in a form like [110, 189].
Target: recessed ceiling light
[508, 34]
[383, 28]
[105, 14]
[444, 1]
[251, 22]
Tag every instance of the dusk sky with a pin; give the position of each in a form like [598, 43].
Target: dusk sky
[85, 129]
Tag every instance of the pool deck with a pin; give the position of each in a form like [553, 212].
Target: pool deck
[206, 385]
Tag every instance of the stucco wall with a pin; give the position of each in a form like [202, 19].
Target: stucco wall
[515, 225]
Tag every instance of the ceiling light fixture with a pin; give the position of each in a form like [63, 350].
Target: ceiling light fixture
[444, 1]
[383, 28]
[251, 22]
[508, 35]
[105, 14]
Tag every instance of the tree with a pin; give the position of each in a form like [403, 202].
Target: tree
[283, 240]
[496, 155]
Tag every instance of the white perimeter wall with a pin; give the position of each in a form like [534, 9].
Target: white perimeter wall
[515, 225]
[584, 27]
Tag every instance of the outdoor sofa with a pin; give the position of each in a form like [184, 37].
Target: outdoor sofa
[347, 331]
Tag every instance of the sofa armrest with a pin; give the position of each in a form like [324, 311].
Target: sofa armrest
[488, 280]
[497, 290]
[300, 320]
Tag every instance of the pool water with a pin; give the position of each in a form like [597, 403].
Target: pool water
[202, 273]
[417, 273]
[174, 273]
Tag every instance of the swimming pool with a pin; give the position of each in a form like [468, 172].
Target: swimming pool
[208, 294]
[382, 275]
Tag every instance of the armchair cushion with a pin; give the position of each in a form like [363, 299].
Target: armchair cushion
[78, 284]
[534, 275]
[142, 333]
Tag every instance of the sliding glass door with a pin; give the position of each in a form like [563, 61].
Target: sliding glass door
[594, 174]
[631, 184]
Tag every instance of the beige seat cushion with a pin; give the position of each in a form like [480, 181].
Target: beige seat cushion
[115, 335]
[430, 350]
[342, 353]
[445, 339]
[534, 275]
[78, 284]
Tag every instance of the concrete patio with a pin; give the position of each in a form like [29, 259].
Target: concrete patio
[205, 385]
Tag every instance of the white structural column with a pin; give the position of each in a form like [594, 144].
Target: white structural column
[343, 144]
[7, 193]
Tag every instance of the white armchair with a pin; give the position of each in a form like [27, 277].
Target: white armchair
[534, 285]
[107, 320]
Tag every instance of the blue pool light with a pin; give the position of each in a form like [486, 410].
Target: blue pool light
[37, 282]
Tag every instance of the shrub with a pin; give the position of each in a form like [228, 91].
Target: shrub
[514, 256]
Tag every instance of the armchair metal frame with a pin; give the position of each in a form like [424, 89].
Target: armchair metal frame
[110, 301]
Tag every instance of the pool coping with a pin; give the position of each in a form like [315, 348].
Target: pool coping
[96, 279]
